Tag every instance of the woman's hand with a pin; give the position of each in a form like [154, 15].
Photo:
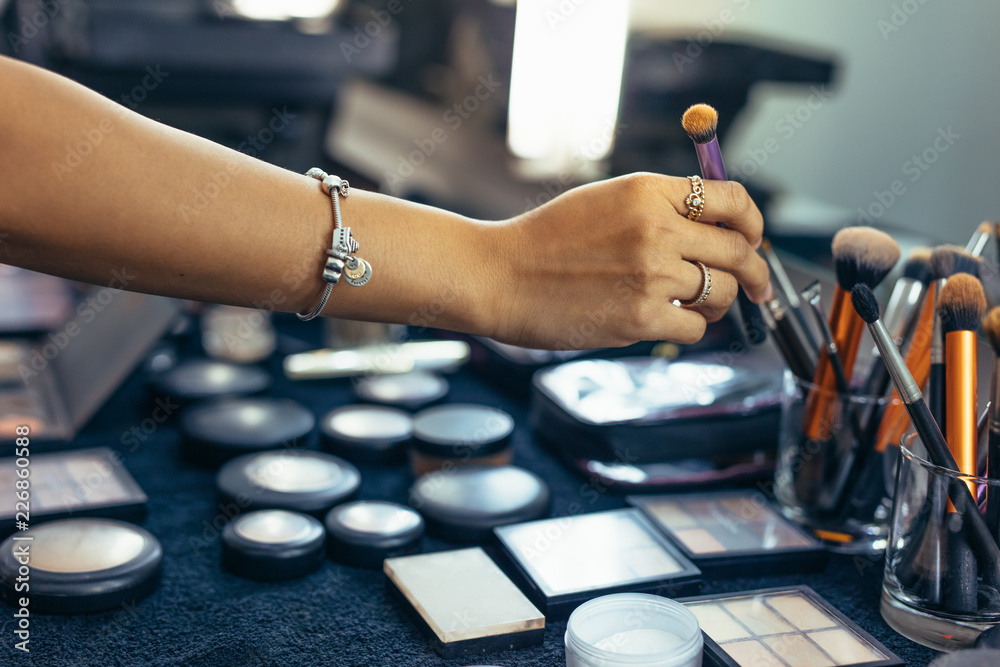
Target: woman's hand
[602, 264]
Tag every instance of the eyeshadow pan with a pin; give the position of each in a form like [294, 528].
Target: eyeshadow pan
[790, 627]
[757, 617]
[568, 560]
[845, 647]
[728, 533]
[752, 653]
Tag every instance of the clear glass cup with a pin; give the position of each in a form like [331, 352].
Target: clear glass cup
[829, 478]
[936, 590]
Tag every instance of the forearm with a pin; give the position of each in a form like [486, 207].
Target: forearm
[177, 215]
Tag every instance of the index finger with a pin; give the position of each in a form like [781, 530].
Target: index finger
[724, 201]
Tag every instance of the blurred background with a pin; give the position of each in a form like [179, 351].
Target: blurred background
[831, 113]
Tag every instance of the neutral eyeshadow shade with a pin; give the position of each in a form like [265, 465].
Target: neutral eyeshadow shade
[717, 622]
[288, 474]
[273, 526]
[804, 612]
[76, 545]
[845, 647]
[699, 541]
[671, 514]
[798, 651]
[752, 653]
[65, 480]
[462, 594]
[755, 615]
[588, 551]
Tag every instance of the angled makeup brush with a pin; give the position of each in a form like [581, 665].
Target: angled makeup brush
[991, 329]
[861, 255]
[962, 306]
[700, 122]
[977, 244]
[974, 526]
[945, 262]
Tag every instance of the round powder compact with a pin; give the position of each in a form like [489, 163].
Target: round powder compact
[290, 479]
[273, 545]
[80, 565]
[219, 430]
[465, 504]
[409, 391]
[367, 433]
[198, 379]
[366, 532]
[460, 434]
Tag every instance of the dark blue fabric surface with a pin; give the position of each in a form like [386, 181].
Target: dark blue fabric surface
[203, 616]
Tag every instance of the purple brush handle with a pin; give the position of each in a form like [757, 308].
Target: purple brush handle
[713, 169]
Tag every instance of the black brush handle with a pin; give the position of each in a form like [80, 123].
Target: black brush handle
[935, 394]
[753, 320]
[792, 348]
[982, 542]
[993, 493]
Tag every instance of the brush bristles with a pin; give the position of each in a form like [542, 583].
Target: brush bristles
[918, 266]
[700, 122]
[948, 260]
[985, 227]
[865, 302]
[863, 255]
[991, 327]
[962, 303]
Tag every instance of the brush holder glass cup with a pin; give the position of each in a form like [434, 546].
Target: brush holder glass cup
[936, 590]
[830, 479]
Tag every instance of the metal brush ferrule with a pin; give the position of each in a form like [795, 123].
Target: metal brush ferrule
[907, 387]
[903, 302]
[937, 336]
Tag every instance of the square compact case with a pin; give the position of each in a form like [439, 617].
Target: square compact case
[81, 483]
[55, 385]
[782, 627]
[565, 561]
[463, 602]
[722, 529]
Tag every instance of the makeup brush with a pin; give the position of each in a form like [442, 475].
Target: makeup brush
[945, 261]
[861, 255]
[985, 548]
[962, 305]
[977, 244]
[788, 341]
[991, 329]
[700, 122]
[791, 297]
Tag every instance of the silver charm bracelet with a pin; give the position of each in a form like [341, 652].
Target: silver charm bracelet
[340, 257]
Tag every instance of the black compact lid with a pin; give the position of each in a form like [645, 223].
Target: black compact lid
[367, 532]
[289, 479]
[197, 379]
[466, 503]
[461, 429]
[410, 391]
[219, 430]
[82, 565]
[367, 433]
[273, 545]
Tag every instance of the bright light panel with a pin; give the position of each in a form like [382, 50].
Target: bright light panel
[282, 10]
[566, 80]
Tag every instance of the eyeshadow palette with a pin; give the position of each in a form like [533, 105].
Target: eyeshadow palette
[718, 530]
[198, 379]
[273, 545]
[564, 561]
[372, 434]
[85, 482]
[783, 627]
[366, 532]
[463, 602]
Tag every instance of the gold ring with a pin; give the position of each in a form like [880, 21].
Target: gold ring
[706, 286]
[696, 200]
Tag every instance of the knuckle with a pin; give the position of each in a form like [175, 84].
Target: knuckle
[693, 334]
[728, 288]
[738, 250]
[738, 199]
[715, 314]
